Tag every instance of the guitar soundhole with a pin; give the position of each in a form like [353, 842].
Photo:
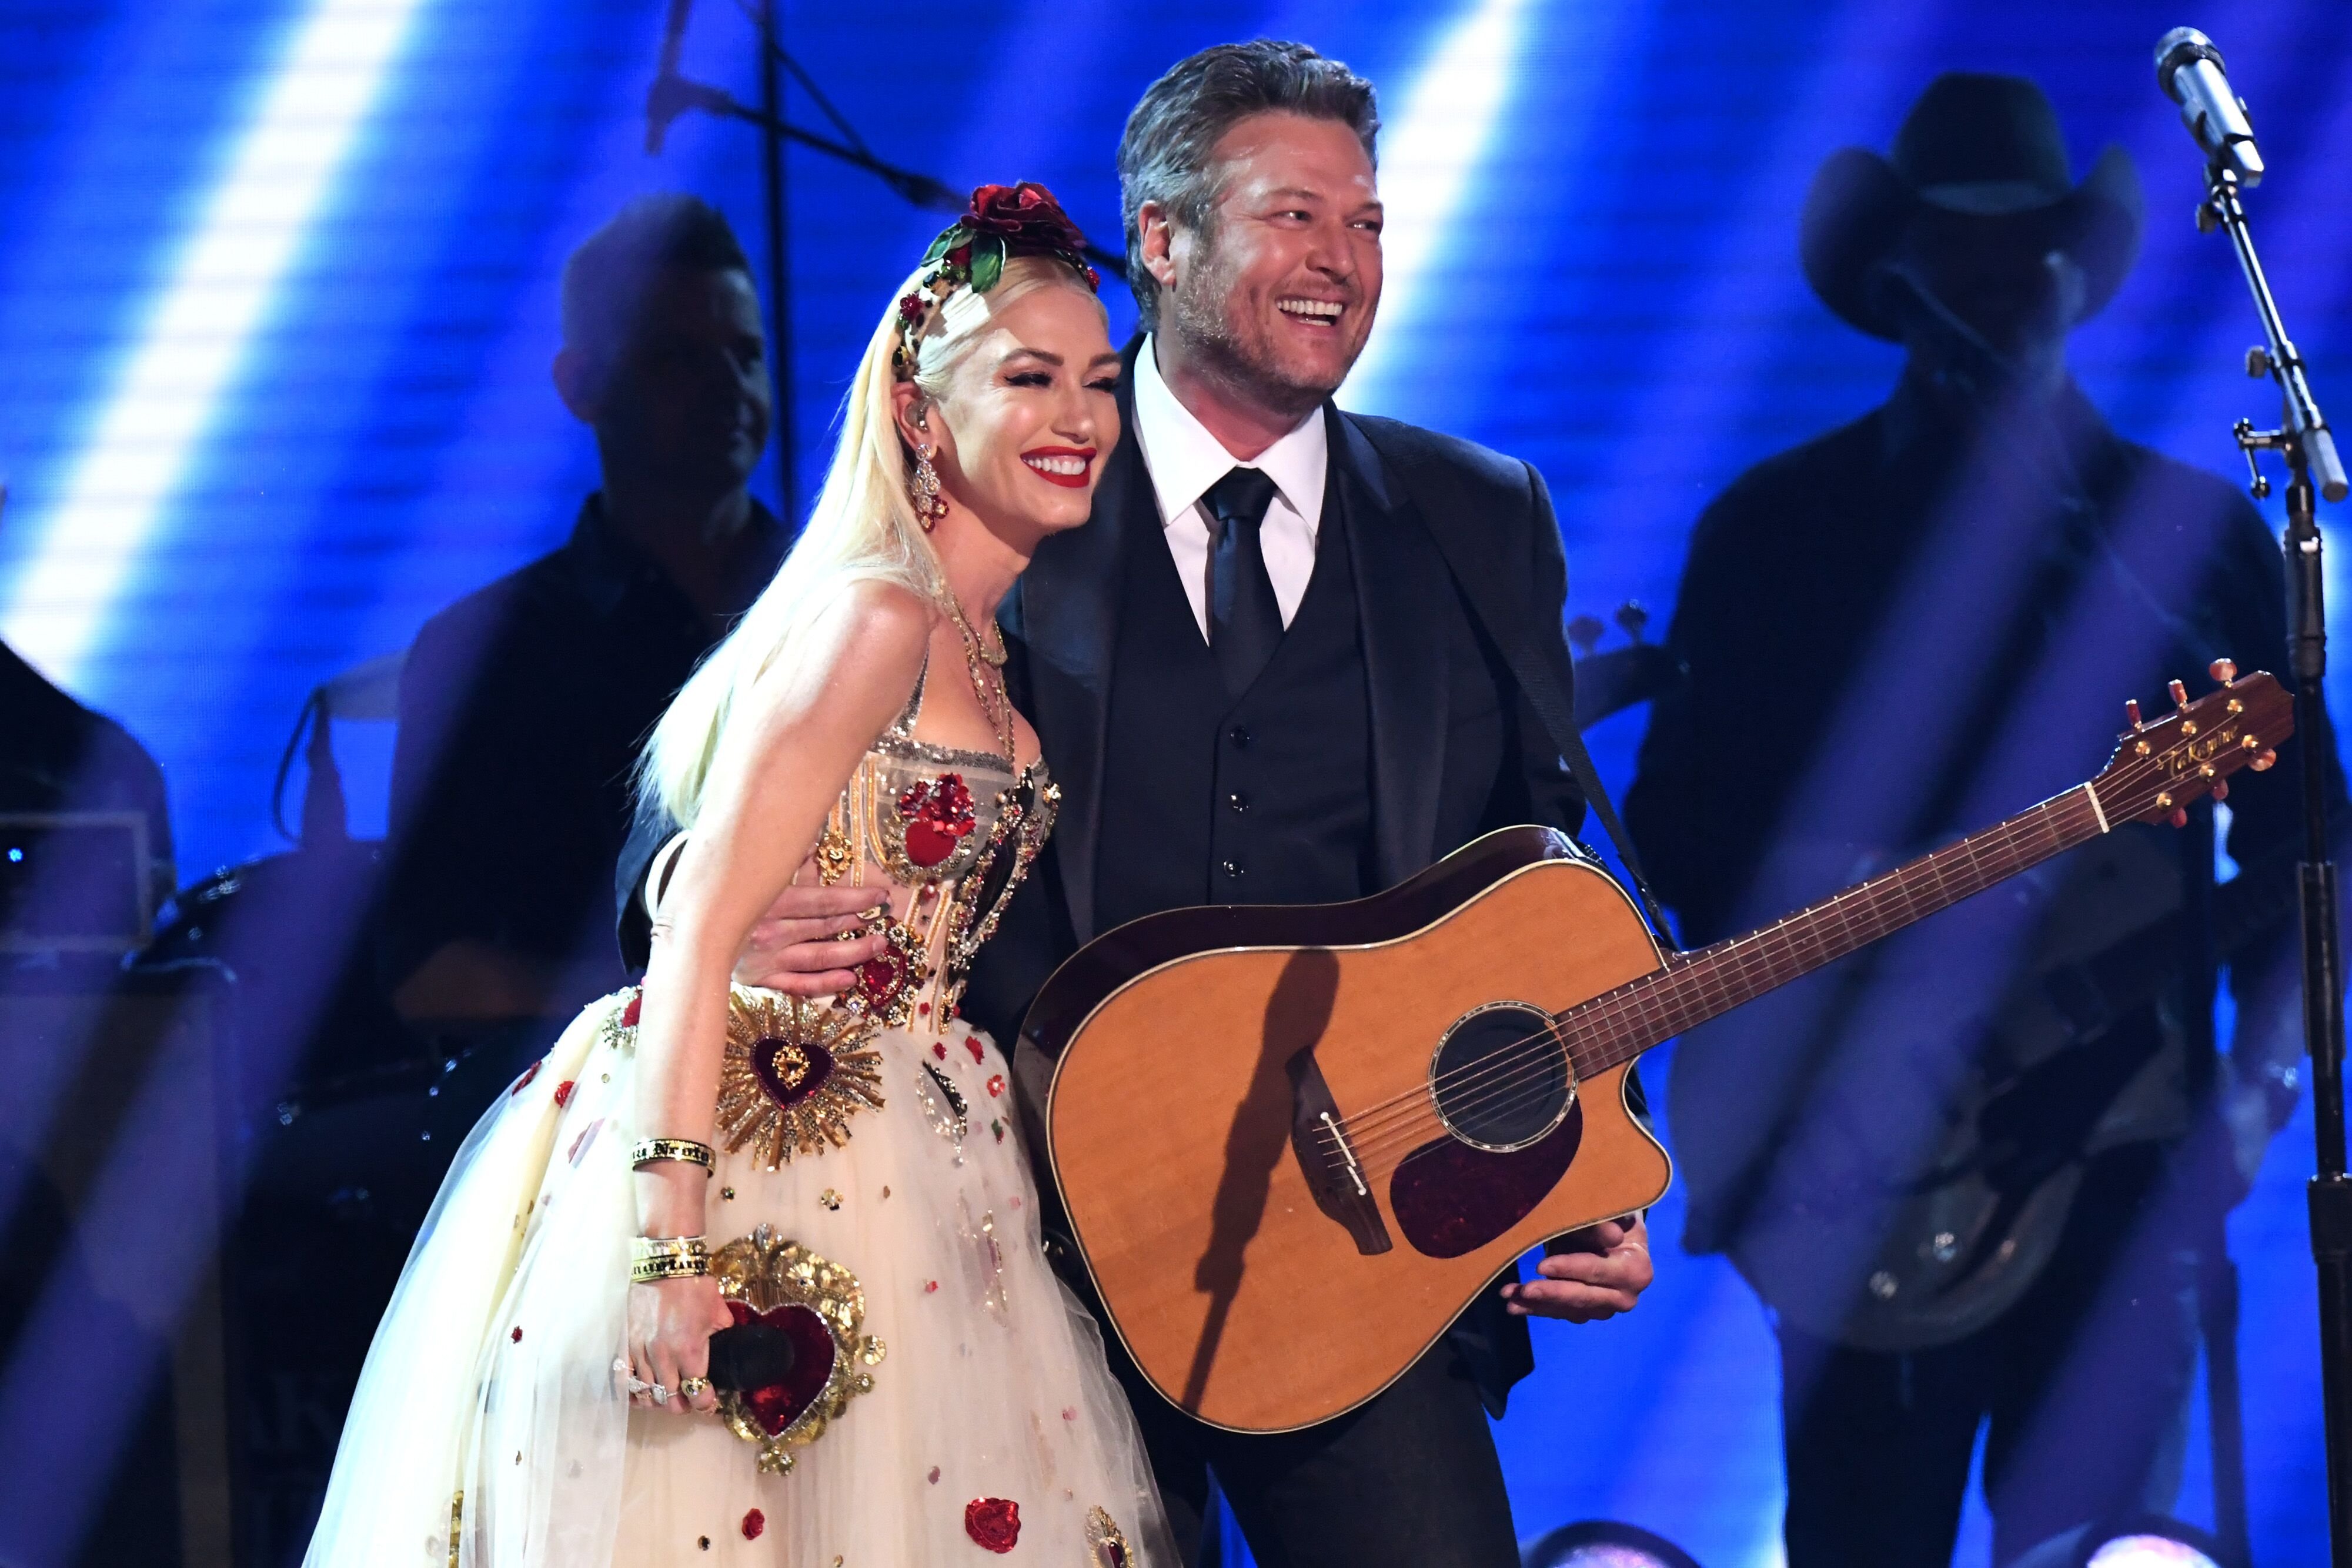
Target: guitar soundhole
[1500, 1077]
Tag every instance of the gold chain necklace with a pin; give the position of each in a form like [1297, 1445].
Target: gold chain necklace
[987, 681]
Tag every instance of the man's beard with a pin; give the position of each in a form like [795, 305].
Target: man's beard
[1198, 316]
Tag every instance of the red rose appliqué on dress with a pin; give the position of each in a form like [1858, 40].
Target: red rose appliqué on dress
[753, 1523]
[939, 816]
[994, 1522]
[634, 1010]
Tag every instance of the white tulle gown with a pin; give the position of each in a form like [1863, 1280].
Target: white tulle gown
[949, 1403]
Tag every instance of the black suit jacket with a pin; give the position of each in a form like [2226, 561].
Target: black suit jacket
[1460, 585]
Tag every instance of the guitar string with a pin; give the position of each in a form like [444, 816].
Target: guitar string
[1512, 1066]
[1844, 906]
[1903, 882]
[1545, 1064]
[2010, 837]
[1719, 980]
[1513, 1087]
[1659, 1021]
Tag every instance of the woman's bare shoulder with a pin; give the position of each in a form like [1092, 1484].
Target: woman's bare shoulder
[866, 649]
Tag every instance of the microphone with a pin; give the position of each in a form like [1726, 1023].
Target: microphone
[2190, 70]
[664, 102]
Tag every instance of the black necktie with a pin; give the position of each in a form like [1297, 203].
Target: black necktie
[1244, 618]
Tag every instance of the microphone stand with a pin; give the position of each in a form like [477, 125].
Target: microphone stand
[2313, 470]
[672, 95]
[675, 94]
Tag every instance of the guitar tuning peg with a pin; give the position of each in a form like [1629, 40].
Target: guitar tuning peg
[1583, 632]
[2131, 712]
[2264, 761]
[1632, 618]
[2222, 670]
[2220, 791]
[2179, 696]
[2180, 817]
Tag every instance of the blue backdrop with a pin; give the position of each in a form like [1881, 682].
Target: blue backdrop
[278, 297]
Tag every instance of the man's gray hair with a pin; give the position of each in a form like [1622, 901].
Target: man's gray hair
[1164, 155]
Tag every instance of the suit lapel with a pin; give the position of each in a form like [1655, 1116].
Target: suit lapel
[1398, 566]
[1064, 611]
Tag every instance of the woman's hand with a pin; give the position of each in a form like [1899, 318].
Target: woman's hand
[670, 1325]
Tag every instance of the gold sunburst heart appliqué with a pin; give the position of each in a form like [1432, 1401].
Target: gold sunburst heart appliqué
[796, 1071]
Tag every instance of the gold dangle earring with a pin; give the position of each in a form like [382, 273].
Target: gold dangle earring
[923, 490]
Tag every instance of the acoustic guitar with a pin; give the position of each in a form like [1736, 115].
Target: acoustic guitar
[1294, 1143]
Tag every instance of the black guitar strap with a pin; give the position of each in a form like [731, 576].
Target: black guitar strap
[1547, 687]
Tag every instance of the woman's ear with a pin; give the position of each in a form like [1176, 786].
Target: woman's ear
[912, 411]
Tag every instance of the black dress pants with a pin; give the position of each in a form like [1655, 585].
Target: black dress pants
[1410, 1478]
[2084, 1383]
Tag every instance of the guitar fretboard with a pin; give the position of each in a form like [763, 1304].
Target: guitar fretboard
[1619, 1025]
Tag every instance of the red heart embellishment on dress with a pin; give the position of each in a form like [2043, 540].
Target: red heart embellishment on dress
[776, 1405]
[881, 978]
[939, 816]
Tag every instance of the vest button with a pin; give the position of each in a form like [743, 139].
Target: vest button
[1233, 868]
[1238, 802]
[1239, 734]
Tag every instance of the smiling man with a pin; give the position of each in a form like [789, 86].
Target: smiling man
[1286, 661]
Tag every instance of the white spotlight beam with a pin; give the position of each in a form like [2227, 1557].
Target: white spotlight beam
[1428, 156]
[87, 548]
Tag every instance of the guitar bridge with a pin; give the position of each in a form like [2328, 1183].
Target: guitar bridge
[1329, 1162]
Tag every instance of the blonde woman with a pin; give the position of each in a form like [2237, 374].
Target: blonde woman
[733, 1276]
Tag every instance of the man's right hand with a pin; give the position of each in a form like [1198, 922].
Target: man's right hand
[797, 947]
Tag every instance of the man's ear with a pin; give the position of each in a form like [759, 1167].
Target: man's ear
[579, 383]
[1154, 239]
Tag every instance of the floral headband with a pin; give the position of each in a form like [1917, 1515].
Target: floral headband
[1003, 222]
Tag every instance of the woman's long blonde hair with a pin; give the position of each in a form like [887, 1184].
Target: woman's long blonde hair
[861, 528]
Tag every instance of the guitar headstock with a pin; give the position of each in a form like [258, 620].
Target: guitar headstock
[2162, 765]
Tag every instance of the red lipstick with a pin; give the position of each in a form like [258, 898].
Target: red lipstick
[1077, 481]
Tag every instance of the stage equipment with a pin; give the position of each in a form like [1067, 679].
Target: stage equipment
[1605, 1543]
[2313, 469]
[122, 1092]
[2190, 70]
[672, 95]
[1259, 1118]
[75, 881]
[1608, 683]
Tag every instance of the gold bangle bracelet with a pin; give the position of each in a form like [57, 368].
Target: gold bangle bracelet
[643, 1247]
[647, 1151]
[651, 1271]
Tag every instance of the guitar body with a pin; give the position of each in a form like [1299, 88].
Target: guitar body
[1254, 1283]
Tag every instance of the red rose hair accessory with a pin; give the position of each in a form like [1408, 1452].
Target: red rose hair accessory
[1003, 222]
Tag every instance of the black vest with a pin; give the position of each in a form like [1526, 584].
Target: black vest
[1207, 799]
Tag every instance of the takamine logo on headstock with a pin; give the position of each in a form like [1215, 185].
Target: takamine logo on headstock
[2161, 767]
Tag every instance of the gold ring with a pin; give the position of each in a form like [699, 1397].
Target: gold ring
[689, 1387]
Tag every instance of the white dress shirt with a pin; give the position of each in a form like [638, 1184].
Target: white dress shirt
[1183, 460]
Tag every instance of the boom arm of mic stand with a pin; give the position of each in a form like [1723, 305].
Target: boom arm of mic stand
[2310, 439]
[677, 94]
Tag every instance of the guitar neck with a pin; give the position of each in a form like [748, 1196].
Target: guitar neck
[1619, 1025]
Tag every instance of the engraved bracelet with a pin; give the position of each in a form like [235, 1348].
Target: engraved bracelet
[647, 1151]
[653, 1257]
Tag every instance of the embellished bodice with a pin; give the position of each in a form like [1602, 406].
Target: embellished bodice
[949, 833]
